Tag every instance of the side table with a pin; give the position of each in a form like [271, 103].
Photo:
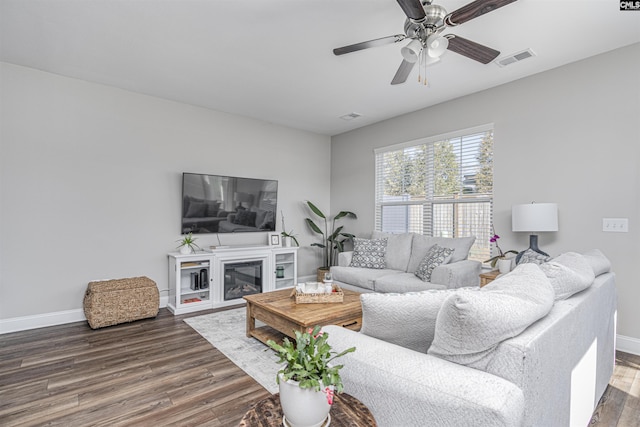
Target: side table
[347, 411]
[486, 278]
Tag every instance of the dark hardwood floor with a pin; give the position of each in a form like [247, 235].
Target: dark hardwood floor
[159, 372]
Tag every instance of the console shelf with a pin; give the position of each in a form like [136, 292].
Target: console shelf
[196, 281]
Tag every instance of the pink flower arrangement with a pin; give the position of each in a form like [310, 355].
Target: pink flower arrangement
[307, 361]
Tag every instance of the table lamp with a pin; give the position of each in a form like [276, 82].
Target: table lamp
[534, 217]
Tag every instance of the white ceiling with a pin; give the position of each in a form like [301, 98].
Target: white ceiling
[272, 59]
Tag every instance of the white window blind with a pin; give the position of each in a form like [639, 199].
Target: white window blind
[438, 187]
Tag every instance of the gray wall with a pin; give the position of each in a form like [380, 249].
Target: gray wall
[570, 135]
[90, 183]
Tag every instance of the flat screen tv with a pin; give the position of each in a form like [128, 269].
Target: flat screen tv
[227, 204]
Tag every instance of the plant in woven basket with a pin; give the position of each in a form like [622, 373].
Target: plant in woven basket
[189, 242]
[307, 360]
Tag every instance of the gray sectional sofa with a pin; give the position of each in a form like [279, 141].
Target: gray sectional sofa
[403, 255]
[535, 347]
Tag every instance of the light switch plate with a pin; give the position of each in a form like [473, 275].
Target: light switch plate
[615, 225]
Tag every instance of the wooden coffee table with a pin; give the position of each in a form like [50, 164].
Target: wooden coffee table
[279, 311]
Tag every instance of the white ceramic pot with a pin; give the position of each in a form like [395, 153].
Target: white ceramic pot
[185, 250]
[303, 407]
[504, 265]
[286, 241]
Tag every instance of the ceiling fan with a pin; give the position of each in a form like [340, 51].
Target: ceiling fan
[424, 24]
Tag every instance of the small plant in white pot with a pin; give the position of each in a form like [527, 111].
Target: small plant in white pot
[187, 244]
[287, 236]
[308, 380]
[504, 263]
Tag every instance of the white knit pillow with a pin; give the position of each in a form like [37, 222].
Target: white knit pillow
[568, 273]
[470, 325]
[407, 319]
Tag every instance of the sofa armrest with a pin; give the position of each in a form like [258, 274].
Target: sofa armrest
[458, 274]
[344, 258]
[405, 387]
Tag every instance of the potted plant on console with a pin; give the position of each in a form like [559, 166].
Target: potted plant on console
[307, 381]
[187, 244]
[287, 236]
[333, 242]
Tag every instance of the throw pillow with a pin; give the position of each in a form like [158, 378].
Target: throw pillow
[598, 261]
[369, 253]
[406, 319]
[421, 244]
[568, 273]
[532, 257]
[398, 249]
[436, 255]
[470, 325]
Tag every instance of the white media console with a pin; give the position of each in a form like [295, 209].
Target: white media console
[219, 278]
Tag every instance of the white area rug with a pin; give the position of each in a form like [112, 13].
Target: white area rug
[226, 332]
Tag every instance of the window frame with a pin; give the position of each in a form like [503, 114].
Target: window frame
[481, 249]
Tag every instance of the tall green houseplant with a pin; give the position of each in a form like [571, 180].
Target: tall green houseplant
[333, 242]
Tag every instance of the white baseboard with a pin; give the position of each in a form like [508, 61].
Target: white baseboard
[628, 344]
[24, 323]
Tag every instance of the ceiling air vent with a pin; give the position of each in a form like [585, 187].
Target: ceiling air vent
[516, 57]
[350, 116]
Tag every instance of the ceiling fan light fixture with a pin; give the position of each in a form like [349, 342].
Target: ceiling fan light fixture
[411, 52]
[436, 45]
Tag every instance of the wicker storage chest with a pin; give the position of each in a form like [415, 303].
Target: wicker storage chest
[111, 302]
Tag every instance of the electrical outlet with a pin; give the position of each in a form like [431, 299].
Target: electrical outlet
[615, 225]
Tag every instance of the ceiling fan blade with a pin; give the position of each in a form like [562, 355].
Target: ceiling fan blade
[473, 10]
[403, 72]
[471, 49]
[413, 9]
[371, 43]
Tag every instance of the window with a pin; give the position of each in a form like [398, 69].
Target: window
[439, 187]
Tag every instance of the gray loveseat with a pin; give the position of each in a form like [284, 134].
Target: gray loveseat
[535, 347]
[403, 256]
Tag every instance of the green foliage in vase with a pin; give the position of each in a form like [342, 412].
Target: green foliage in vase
[333, 242]
[307, 360]
[189, 241]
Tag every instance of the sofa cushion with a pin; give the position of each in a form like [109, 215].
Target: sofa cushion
[369, 253]
[421, 244]
[436, 255]
[568, 273]
[599, 263]
[406, 319]
[470, 325]
[403, 282]
[363, 277]
[398, 249]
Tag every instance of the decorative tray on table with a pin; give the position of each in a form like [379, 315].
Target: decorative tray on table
[315, 293]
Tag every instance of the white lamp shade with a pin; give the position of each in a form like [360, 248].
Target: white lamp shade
[411, 52]
[436, 45]
[534, 217]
